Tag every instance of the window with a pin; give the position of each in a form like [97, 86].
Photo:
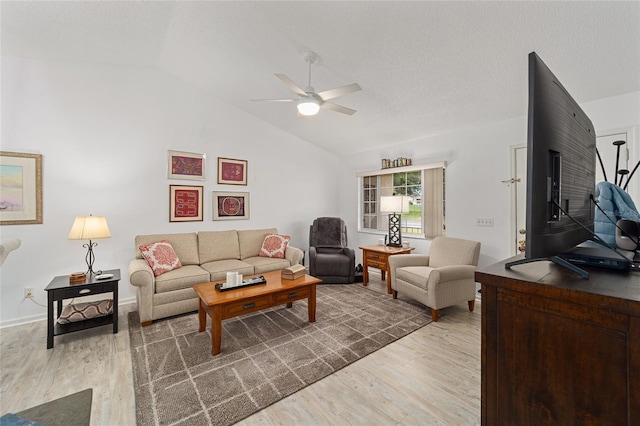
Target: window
[424, 185]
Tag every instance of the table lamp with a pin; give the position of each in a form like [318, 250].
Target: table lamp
[89, 228]
[394, 205]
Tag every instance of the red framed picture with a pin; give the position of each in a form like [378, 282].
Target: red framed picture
[185, 203]
[230, 205]
[232, 172]
[186, 165]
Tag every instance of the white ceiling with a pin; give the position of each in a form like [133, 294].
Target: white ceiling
[425, 67]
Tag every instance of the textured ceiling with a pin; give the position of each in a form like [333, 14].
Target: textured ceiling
[425, 67]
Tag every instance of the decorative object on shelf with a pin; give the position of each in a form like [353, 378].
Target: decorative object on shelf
[77, 277]
[185, 203]
[89, 228]
[186, 165]
[394, 205]
[398, 162]
[232, 172]
[230, 205]
[21, 189]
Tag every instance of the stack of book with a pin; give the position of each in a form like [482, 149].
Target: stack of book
[293, 272]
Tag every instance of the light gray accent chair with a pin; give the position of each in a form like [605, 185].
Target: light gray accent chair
[329, 257]
[444, 277]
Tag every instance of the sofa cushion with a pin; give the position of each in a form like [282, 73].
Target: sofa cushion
[218, 245]
[267, 264]
[251, 241]
[274, 245]
[160, 256]
[219, 268]
[416, 275]
[185, 245]
[185, 277]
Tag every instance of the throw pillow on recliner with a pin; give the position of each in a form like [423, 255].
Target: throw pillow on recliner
[274, 245]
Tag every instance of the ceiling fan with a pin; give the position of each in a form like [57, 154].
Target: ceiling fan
[309, 101]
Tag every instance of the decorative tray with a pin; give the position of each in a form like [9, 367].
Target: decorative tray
[245, 283]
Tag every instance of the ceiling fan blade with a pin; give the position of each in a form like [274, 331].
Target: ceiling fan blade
[274, 100]
[339, 91]
[338, 108]
[291, 85]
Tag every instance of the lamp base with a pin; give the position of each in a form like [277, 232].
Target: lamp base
[395, 231]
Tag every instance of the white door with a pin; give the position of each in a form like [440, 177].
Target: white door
[518, 183]
[610, 155]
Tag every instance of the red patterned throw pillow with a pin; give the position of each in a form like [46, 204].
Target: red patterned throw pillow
[160, 256]
[274, 245]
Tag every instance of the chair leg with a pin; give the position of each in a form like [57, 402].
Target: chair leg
[434, 315]
[146, 323]
[394, 293]
[472, 304]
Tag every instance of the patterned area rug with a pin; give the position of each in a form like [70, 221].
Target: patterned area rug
[265, 356]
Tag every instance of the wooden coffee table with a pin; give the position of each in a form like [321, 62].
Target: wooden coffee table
[228, 304]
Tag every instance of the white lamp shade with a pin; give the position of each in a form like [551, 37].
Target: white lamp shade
[308, 106]
[89, 228]
[394, 204]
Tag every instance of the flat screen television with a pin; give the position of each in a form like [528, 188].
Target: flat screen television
[561, 165]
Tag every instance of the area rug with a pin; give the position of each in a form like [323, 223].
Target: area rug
[265, 356]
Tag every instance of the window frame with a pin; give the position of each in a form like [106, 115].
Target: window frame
[390, 171]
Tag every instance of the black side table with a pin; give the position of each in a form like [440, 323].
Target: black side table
[60, 289]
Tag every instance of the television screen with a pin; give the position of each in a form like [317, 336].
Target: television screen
[561, 164]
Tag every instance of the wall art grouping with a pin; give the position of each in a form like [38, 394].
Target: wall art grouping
[20, 188]
[186, 201]
[230, 205]
[186, 165]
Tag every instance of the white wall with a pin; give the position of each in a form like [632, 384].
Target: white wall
[477, 161]
[104, 132]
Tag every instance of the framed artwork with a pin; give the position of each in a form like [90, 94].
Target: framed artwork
[230, 205]
[185, 203]
[186, 165]
[232, 172]
[20, 188]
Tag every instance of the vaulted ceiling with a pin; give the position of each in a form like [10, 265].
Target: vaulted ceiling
[425, 68]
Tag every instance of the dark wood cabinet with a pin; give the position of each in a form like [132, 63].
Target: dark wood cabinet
[559, 349]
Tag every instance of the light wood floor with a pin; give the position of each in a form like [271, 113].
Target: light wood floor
[430, 377]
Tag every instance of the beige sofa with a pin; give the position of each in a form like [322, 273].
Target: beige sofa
[205, 256]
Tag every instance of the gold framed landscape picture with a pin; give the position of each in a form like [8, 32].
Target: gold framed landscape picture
[20, 188]
[185, 203]
[230, 205]
[232, 172]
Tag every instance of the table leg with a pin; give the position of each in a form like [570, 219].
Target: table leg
[202, 318]
[115, 307]
[216, 329]
[312, 303]
[365, 271]
[50, 319]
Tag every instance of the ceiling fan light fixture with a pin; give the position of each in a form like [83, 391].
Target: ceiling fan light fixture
[308, 106]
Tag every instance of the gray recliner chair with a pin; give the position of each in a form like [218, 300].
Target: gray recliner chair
[329, 257]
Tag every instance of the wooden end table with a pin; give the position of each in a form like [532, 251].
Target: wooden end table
[378, 257]
[60, 289]
[220, 305]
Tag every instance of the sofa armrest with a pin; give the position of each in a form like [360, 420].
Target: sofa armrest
[294, 255]
[141, 276]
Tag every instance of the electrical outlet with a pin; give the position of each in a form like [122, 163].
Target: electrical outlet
[28, 292]
[484, 221]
